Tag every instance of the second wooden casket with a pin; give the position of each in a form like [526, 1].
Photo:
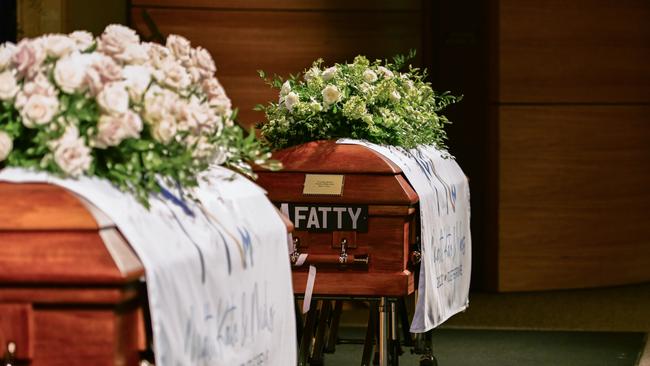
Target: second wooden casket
[354, 215]
[70, 292]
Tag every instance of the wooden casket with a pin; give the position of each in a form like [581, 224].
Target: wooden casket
[355, 216]
[70, 289]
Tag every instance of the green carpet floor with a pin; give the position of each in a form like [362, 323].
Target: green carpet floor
[455, 347]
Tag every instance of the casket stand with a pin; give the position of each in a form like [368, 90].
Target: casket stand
[371, 258]
[70, 288]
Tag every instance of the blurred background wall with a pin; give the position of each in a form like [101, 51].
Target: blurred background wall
[553, 130]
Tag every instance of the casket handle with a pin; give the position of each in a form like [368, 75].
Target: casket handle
[10, 354]
[343, 260]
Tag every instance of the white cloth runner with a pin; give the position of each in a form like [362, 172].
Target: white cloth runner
[445, 237]
[219, 283]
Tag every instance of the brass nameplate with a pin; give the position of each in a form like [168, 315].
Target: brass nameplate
[323, 184]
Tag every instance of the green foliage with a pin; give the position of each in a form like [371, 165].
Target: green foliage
[366, 100]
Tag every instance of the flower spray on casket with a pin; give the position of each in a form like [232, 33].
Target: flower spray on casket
[372, 101]
[113, 107]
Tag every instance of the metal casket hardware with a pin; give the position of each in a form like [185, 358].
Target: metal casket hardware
[342, 261]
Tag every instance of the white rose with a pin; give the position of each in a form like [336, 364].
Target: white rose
[6, 145]
[8, 85]
[385, 72]
[395, 96]
[213, 88]
[6, 54]
[83, 40]
[180, 47]
[70, 73]
[137, 79]
[111, 130]
[329, 73]
[164, 130]
[202, 59]
[39, 110]
[58, 45]
[331, 95]
[286, 88]
[115, 39]
[71, 153]
[291, 100]
[365, 88]
[369, 76]
[158, 54]
[113, 99]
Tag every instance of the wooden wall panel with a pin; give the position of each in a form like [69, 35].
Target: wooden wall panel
[363, 5]
[283, 42]
[574, 196]
[581, 51]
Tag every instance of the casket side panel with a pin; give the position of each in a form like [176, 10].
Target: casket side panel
[65, 257]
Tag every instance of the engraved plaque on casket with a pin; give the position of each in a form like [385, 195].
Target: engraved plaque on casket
[70, 292]
[359, 231]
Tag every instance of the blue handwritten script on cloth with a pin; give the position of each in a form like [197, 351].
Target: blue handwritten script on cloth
[219, 280]
[443, 190]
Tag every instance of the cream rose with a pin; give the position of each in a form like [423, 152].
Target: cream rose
[136, 80]
[7, 51]
[369, 76]
[202, 59]
[39, 110]
[8, 85]
[6, 145]
[286, 88]
[329, 73]
[331, 95]
[113, 99]
[115, 39]
[174, 76]
[164, 130]
[133, 54]
[28, 57]
[395, 96]
[222, 105]
[71, 153]
[112, 130]
[311, 73]
[83, 40]
[58, 45]
[212, 87]
[180, 47]
[70, 73]
[385, 72]
[291, 100]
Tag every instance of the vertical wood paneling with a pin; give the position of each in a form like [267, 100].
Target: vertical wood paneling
[574, 196]
[582, 51]
[283, 42]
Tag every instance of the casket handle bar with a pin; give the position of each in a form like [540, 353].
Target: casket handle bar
[343, 260]
[10, 354]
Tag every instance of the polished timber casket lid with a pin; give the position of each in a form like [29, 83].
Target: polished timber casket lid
[69, 282]
[372, 186]
[356, 162]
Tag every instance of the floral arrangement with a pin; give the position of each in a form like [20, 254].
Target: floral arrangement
[366, 100]
[114, 107]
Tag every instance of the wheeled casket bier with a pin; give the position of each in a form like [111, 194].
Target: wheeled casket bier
[355, 217]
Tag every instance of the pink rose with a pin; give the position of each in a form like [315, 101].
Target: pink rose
[202, 60]
[180, 48]
[115, 39]
[102, 70]
[28, 58]
[112, 130]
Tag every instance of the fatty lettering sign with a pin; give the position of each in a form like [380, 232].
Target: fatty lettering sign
[313, 217]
